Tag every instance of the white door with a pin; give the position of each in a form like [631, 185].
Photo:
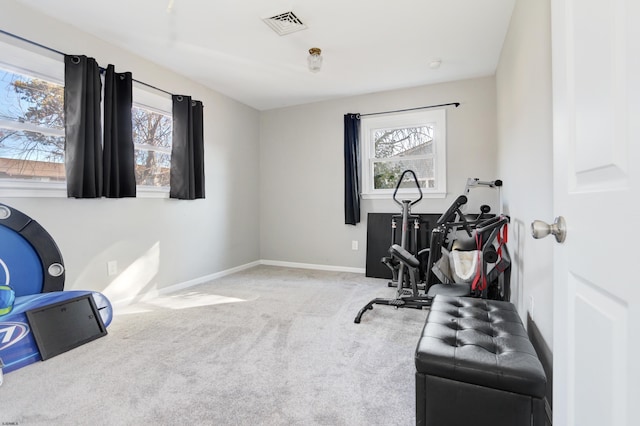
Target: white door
[596, 103]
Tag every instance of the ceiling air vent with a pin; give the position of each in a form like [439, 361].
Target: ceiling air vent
[285, 23]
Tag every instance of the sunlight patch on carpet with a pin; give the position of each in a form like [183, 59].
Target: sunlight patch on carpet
[178, 301]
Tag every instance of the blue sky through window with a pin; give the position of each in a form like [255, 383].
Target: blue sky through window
[29, 131]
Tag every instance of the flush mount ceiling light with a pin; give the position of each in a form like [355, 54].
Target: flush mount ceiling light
[314, 60]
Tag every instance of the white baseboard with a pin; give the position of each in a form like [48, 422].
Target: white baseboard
[312, 266]
[120, 303]
[206, 278]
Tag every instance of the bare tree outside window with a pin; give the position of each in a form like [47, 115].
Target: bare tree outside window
[152, 133]
[31, 127]
[399, 149]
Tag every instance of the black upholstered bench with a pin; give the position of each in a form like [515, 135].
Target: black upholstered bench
[476, 366]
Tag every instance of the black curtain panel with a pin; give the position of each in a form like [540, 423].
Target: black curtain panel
[198, 147]
[83, 146]
[187, 152]
[118, 153]
[351, 169]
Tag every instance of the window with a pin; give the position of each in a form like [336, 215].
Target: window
[152, 132]
[32, 126]
[394, 143]
[31, 118]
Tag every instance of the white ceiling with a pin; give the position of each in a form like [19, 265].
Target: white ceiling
[368, 45]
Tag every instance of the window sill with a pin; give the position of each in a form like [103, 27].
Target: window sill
[21, 189]
[26, 189]
[152, 192]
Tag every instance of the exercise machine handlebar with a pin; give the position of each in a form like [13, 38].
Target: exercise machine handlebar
[453, 209]
[474, 182]
[415, 179]
[491, 224]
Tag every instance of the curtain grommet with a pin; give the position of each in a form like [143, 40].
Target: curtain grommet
[179, 98]
[75, 59]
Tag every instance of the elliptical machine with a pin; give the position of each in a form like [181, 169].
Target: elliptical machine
[406, 220]
[408, 293]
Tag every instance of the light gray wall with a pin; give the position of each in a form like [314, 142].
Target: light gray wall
[282, 198]
[302, 168]
[525, 158]
[156, 242]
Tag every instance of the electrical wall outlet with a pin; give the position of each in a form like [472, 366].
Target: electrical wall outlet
[112, 267]
[354, 245]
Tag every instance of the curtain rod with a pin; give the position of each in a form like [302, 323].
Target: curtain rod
[50, 49]
[457, 104]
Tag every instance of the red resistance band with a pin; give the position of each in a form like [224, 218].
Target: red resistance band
[480, 280]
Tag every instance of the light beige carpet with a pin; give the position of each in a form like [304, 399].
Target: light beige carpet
[266, 346]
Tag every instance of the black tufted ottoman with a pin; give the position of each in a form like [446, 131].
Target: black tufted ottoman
[476, 366]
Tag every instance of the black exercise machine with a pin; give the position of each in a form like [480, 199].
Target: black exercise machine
[405, 218]
[482, 231]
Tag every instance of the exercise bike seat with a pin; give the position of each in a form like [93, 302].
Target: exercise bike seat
[404, 256]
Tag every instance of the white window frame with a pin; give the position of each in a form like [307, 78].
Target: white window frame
[369, 124]
[21, 57]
